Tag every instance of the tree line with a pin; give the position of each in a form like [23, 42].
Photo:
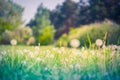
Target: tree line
[73, 14]
[48, 24]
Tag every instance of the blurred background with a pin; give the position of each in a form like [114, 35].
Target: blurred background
[58, 22]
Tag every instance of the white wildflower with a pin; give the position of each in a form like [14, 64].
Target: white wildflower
[54, 49]
[62, 49]
[31, 54]
[36, 48]
[39, 59]
[113, 47]
[13, 42]
[77, 66]
[92, 52]
[46, 68]
[71, 66]
[4, 53]
[48, 51]
[52, 56]
[99, 42]
[77, 52]
[83, 48]
[66, 60]
[75, 43]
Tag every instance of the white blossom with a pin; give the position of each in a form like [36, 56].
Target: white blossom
[99, 42]
[13, 42]
[75, 43]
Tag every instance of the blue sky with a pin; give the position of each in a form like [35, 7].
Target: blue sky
[30, 6]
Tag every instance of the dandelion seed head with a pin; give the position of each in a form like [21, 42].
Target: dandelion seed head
[36, 48]
[99, 42]
[39, 59]
[13, 42]
[77, 66]
[74, 43]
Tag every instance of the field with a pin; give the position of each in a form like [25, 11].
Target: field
[53, 63]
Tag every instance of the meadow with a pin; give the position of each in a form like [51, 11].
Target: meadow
[58, 63]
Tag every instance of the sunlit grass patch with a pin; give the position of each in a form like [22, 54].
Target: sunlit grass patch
[52, 63]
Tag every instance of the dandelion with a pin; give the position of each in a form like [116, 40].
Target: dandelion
[13, 42]
[46, 68]
[77, 52]
[4, 53]
[48, 51]
[75, 43]
[77, 66]
[62, 49]
[83, 48]
[92, 52]
[113, 47]
[66, 60]
[52, 56]
[36, 48]
[39, 59]
[71, 66]
[30, 54]
[54, 49]
[99, 42]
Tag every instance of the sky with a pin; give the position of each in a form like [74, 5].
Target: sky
[30, 7]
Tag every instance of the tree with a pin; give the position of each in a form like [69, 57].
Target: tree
[10, 15]
[102, 9]
[41, 25]
[65, 16]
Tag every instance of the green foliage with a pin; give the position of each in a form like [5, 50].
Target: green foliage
[62, 41]
[42, 28]
[72, 14]
[65, 16]
[89, 33]
[10, 14]
[47, 35]
[50, 63]
[22, 35]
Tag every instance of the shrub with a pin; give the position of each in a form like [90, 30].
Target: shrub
[22, 35]
[89, 33]
[46, 36]
[62, 41]
[31, 41]
[6, 37]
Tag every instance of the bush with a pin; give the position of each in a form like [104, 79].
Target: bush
[62, 41]
[6, 37]
[46, 36]
[22, 35]
[89, 33]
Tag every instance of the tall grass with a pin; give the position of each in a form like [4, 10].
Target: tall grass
[51, 63]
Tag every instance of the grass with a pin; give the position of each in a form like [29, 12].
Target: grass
[52, 63]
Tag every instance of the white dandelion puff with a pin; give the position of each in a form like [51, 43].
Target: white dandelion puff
[13, 42]
[99, 42]
[74, 43]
